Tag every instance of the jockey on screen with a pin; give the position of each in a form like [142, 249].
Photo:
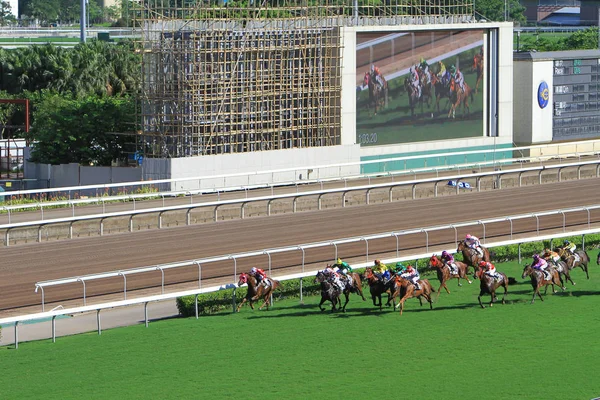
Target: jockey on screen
[425, 69]
[376, 72]
[540, 264]
[474, 243]
[448, 259]
[414, 80]
[458, 77]
[443, 74]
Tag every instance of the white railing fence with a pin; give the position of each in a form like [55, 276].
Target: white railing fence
[531, 219]
[149, 299]
[295, 196]
[491, 157]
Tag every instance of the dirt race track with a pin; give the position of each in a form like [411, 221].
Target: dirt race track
[24, 265]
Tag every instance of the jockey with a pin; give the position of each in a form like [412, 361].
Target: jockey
[331, 272]
[342, 266]
[474, 243]
[376, 72]
[490, 269]
[458, 77]
[550, 255]
[425, 69]
[570, 246]
[399, 268]
[260, 276]
[414, 80]
[443, 74]
[448, 259]
[381, 270]
[540, 264]
[412, 275]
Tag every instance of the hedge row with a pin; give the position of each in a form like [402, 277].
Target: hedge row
[210, 303]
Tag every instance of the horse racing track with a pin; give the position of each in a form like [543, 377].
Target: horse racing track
[545, 350]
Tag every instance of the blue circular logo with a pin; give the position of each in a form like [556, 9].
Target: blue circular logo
[543, 94]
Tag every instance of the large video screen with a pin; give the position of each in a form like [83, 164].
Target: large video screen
[403, 93]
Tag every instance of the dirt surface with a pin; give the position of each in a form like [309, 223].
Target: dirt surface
[24, 265]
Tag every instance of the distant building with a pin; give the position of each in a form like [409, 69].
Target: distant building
[14, 7]
[562, 12]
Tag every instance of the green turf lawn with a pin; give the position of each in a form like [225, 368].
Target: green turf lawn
[547, 350]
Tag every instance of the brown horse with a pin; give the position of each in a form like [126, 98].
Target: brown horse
[538, 279]
[478, 68]
[471, 256]
[489, 285]
[459, 95]
[329, 292]
[405, 290]
[256, 292]
[442, 90]
[581, 261]
[377, 287]
[443, 273]
[378, 94]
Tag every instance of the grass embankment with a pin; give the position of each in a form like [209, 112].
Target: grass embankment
[457, 350]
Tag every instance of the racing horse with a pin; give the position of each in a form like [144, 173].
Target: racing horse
[256, 291]
[441, 90]
[560, 266]
[377, 288]
[444, 275]
[329, 292]
[572, 261]
[489, 285]
[378, 94]
[478, 68]
[459, 95]
[538, 280]
[405, 290]
[471, 256]
[413, 96]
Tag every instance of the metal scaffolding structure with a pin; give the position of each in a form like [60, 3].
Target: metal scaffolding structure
[233, 77]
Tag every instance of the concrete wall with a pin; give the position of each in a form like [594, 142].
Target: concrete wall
[541, 118]
[259, 163]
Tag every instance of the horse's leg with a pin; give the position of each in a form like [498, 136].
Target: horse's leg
[479, 298]
[585, 268]
[323, 299]
[347, 294]
[241, 304]
[380, 305]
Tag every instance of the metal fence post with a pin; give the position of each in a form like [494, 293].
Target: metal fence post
[519, 247]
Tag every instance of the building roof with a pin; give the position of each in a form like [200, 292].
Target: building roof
[555, 55]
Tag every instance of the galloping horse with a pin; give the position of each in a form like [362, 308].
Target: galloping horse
[471, 256]
[443, 273]
[489, 285]
[413, 96]
[459, 95]
[405, 290]
[377, 287]
[538, 280]
[329, 292]
[478, 67]
[441, 90]
[256, 292]
[378, 94]
[572, 261]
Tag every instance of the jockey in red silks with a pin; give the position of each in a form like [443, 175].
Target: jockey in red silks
[448, 259]
[261, 276]
[540, 264]
[490, 269]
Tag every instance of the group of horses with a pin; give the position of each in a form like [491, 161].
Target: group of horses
[401, 289]
[378, 91]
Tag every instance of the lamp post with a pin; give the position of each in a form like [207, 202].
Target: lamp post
[82, 22]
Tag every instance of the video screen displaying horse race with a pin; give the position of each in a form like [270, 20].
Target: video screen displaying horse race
[419, 86]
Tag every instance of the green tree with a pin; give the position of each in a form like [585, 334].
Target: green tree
[494, 10]
[582, 40]
[6, 15]
[87, 131]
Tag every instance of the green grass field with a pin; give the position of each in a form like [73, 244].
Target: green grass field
[547, 350]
